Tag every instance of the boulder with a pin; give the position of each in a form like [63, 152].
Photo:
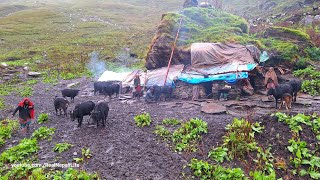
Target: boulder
[34, 74]
[26, 68]
[213, 108]
[3, 65]
[184, 95]
[73, 84]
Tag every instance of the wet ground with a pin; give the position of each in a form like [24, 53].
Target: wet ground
[124, 151]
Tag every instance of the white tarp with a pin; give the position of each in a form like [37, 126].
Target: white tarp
[150, 78]
[113, 76]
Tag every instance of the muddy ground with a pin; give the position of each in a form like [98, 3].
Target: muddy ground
[124, 151]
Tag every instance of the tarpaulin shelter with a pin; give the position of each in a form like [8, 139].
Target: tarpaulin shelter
[219, 61]
[157, 76]
[149, 78]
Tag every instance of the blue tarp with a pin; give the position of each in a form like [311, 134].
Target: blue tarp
[229, 72]
[229, 77]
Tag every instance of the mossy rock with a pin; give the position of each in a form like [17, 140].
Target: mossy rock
[198, 25]
[287, 33]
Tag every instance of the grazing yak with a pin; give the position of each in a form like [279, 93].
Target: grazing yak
[100, 113]
[70, 93]
[166, 91]
[279, 91]
[80, 110]
[296, 87]
[61, 103]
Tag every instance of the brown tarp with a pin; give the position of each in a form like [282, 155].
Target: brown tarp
[206, 55]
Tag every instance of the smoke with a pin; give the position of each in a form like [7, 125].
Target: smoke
[122, 63]
[96, 65]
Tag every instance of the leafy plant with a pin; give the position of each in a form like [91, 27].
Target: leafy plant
[86, 155]
[32, 82]
[204, 171]
[264, 160]
[258, 175]
[143, 120]
[219, 154]
[311, 86]
[186, 136]
[43, 133]
[61, 147]
[172, 121]
[162, 132]
[43, 117]
[16, 153]
[240, 137]
[311, 83]
[7, 127]
[300, 150]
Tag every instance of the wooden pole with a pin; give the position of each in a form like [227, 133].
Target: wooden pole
[172, 50]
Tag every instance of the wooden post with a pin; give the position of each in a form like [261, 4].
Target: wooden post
[172, 50]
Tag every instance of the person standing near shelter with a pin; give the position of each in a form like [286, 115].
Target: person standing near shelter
[137, 86]
[270, 79]
[26, 113]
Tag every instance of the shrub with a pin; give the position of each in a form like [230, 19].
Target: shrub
[240, 137]
[311, 86]
[162, 132]
[219, 154]
[186, 136]
[143, 120]
[43, 117]
[314, 53]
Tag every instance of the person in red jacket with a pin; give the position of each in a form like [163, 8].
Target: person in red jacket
[26, 113]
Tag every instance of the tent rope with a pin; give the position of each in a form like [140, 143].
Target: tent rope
[172, 50]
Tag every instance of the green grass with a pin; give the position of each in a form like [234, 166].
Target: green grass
[205, 25]
[2, 103]
[25, 91]
[64, 40]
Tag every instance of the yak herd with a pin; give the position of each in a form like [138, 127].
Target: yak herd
[286, 92]
[98, 112]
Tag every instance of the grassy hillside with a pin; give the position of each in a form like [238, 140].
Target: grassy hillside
[263, 8]
[56, 32]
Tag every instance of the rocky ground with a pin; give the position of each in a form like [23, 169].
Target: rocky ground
[124, 151]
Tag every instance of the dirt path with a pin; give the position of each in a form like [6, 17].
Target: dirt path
[122, 150]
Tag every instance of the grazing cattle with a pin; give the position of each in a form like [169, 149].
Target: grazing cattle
[60, 104]
[279, 91]
[166, 91]
[70, 93]
[112, 89]
[286, 100]
[296, 87]
[80, 110]
[99, 86]
[100, 113]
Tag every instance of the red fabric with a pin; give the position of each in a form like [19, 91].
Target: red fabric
[21, 104]
[138, 88]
